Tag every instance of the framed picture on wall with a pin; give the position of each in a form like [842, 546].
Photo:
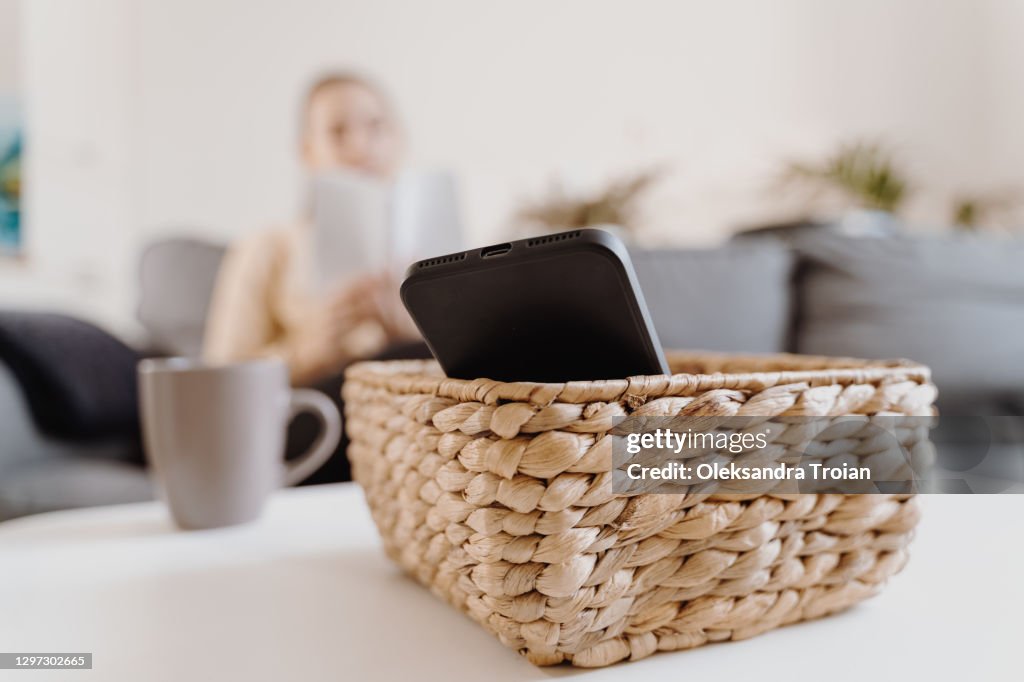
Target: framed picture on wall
[11, 135]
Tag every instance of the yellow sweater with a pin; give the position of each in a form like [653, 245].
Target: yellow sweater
[264, 305]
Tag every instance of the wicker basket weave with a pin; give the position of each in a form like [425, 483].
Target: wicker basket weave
[498, 497]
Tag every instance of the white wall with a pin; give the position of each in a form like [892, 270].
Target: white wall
[10, 20]
[1003, 123]
[152, 116]
[80, 212]
[514, 94]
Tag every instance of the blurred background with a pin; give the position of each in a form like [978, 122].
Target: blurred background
[823, 177]
[146, 118]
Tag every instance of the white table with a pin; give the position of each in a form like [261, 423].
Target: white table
[306, 594]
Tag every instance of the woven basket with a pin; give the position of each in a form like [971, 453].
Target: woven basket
[498, 497]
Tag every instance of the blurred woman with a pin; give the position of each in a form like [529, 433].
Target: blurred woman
[265, 302]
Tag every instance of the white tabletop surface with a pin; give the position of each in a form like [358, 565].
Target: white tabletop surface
[306, 594]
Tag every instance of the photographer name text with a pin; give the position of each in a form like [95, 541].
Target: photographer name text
[666, 441]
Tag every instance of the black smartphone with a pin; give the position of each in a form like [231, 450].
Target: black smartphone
[561, 307]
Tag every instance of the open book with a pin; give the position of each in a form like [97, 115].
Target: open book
[365, 225]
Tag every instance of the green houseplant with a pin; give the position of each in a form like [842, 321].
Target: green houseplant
[865, 173]
[973, 212]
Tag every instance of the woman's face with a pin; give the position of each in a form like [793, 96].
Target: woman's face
[349, 126]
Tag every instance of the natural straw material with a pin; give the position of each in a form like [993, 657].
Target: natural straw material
[498, 497]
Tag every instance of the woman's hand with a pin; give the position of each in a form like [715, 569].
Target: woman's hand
[391, 314]
[351, 305]
[328, 343]
[324, 342]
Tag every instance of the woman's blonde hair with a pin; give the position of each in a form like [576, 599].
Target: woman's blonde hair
[333, 79]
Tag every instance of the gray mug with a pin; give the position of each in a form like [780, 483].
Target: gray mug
[215, 435]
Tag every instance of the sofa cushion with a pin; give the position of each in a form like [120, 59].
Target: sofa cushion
[955, 304]
[736, 298]
[22, 440]
[78, 381]
[50, 483]
[39, 473]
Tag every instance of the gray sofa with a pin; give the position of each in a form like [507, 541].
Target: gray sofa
[956, 304]
[39, 473]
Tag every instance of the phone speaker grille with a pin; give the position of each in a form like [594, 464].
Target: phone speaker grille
[560, 237]
[441, 261]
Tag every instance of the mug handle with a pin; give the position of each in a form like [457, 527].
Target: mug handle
[315, 402]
